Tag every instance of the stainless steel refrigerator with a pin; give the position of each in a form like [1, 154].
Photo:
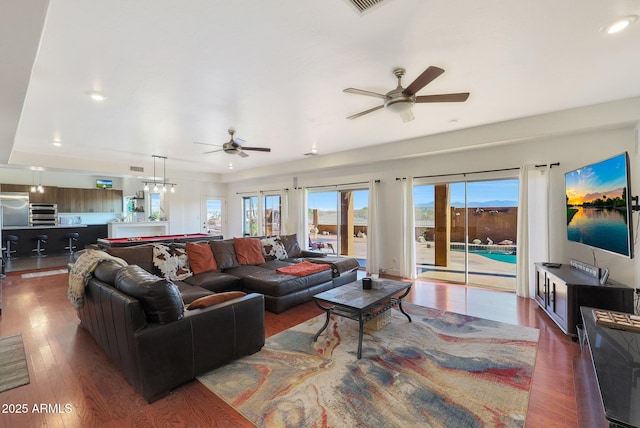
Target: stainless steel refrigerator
[15, 209]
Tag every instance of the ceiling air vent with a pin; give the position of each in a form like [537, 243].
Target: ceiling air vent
[136, 168]
[363, 6]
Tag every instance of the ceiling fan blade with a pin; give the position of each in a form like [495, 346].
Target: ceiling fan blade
[423, 80]
[257, 149]
[407, 116]
[212, 151]
[443, 98]
[239, 141]
[362, 113]
[363, 92]
[242, 154]
[206, 144]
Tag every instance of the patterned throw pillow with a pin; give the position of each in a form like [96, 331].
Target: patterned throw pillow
[272, 248]
[172, 262]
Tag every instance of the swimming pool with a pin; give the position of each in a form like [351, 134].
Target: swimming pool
[492, 254]
[500, 257]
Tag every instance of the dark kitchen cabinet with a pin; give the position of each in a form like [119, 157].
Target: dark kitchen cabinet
[73, 200]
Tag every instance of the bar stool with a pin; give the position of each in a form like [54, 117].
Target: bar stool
[11, 239]
[40, 241]
[72, 238]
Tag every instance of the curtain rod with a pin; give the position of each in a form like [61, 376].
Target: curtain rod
[261, 191]
[551, 165]
[337, 185]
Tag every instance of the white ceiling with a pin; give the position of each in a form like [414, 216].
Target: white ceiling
[178, 72]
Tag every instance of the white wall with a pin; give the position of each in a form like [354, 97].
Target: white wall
[571, 151]
[182, 208]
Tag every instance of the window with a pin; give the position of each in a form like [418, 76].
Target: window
[250, 212]
[154, 206]
[261, 215]
[271, 208]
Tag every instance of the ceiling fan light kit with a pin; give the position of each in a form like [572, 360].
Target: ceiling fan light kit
[234, 146]
[400, 100]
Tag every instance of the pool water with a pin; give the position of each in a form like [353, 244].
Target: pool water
[500, 257]
[497, 256]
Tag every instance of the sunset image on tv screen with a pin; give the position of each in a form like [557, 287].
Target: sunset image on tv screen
[597, 205]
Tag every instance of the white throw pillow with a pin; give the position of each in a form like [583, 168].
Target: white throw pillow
[172, 262]
[272, 248]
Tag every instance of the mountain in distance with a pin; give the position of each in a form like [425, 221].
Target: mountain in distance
[475, 204]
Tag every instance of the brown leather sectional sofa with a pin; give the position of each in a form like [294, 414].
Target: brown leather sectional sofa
[140, 320]
[157, 343]
[280, 291]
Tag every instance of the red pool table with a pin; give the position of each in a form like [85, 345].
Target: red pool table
[127, 242]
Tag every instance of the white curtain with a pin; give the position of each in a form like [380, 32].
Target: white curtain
[533, 226]
[301, 211]
[286, 226]
[295, 221]
[408, 264]
[373, 229]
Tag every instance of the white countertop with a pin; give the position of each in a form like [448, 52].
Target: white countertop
[137, 223]
[57, 226]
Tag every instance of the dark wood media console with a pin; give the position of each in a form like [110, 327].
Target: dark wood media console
[560, 291]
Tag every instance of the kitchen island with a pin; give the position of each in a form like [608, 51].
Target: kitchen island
[123, 229]
[88, 234]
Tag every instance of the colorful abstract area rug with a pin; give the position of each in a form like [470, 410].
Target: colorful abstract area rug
[441, 370]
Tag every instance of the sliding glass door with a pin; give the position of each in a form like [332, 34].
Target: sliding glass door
[465, 232]
[440, 230]
[261, 215]
[337, 222]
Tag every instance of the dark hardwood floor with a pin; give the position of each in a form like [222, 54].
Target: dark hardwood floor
[67, 367]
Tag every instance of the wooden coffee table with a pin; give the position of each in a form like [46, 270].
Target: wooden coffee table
[351, 301]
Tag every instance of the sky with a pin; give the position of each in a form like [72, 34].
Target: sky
[608, 177]
[479, 191]
[329, 201]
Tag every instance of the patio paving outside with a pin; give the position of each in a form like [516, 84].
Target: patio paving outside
[484, 272]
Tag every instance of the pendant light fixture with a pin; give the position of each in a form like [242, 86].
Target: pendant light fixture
[36, 188]
[164, 177]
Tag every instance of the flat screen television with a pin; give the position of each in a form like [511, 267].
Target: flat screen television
[599, 205]
[104, 184]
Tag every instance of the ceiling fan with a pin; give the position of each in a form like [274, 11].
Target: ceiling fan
[234, 146]
[400, 100]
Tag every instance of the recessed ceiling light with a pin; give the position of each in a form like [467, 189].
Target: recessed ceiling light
[230, 165]
[57, 143]
[619, 24]
[96, 96]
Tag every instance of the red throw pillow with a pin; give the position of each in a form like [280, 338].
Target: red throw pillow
[200, 258]
[248, 251]
[214, 299]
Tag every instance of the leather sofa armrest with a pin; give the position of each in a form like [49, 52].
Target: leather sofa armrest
[227, 331]
[173, 353]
